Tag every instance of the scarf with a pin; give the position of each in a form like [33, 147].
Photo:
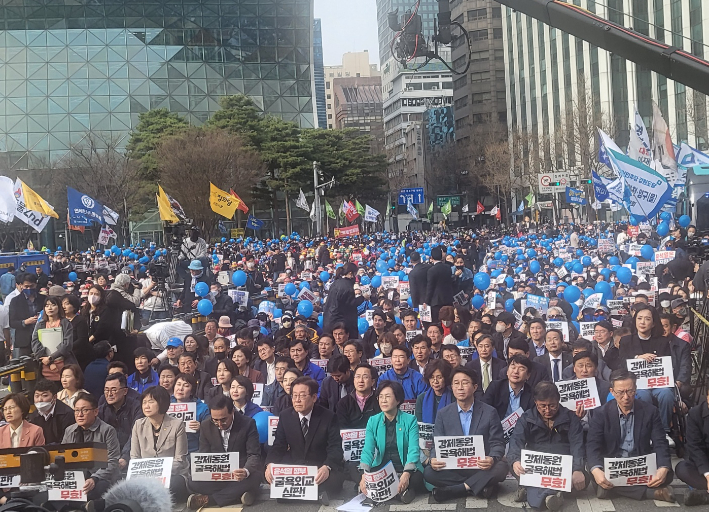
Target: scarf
[428, 410]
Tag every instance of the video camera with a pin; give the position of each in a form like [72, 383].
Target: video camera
[159, 271]
[175, 234]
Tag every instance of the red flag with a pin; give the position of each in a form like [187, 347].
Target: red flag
[479, 208]
[350, 211]
[240, 203]
[498, 215]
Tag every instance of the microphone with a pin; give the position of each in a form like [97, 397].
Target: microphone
[140, 494]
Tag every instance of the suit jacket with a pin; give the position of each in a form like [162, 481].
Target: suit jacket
[499, 344]
[532, 352]
[243, 439]
[407, 441]
[30, 436]
[484, 421]
[697, 437]
[172, 442]
[498, 396]
[417, 284]
[682, 359]
[322, 445]
[604, 435]
[537, 374]
[497, 364]
[439, 285]
[330, 392]
[349, 414]
[54, 427]
[19, 311]
[544, 361]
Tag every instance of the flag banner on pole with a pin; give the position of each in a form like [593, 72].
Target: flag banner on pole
[254, 223]
[71, 227]
[240, 203]
[329, 210]
[164, 208]
[350, 211]
[301, 202]
[177, 208]
[530, 198]
[494, 211]
[36, 220]
[312, 214]
[342, 232]
[446, 209]
[479, 208]
[8, 205]
[34, 201]
[689, 156]
[223, 203]
[83, 210]
[411, 209]
[521, 209]
[464, 209]
[662, 145]
[430, 211]
[600, 191]
[639, 145]
[360, 209]
[371, 214]
[110, 216]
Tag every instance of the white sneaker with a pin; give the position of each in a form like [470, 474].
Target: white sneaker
[671, 443]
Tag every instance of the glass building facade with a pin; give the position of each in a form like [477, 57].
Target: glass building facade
[319, 75]
[73, 67]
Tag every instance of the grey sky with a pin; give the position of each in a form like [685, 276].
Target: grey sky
[348, 26]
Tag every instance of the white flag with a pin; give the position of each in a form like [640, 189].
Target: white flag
[494, 211]
[110, 216]
[639, 145]
[371, 214]
[465, 208]
[662, 144]
[313, 212]
[8, 205]
[301, 202]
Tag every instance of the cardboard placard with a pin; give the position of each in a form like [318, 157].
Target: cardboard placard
[655, 374]
[217, 467]
[645, 268]
[509, 423]
[306, 295]
[240, 297]
[273, 423]
[460, 452]
[258, 394]
[426, 435]
[586, 329]
[408, 406]
[404, 291]
[382, 485]
[461, 298]
[185, 412]
[630, 471]
[294, 482]
[353, 443]
[539, 303]
[390, 282]
[411, 334]
[368, 316]
[69, 489]
[160, 468]
[491, 300]
[9, 481]
[546, 470]
[425, 313]
[561, 326]
[579, 392]
[381, 364]
[664, 257]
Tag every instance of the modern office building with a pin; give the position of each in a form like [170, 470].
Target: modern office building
[69, 68]
[358, 105]
[353, 65]
[319, 75]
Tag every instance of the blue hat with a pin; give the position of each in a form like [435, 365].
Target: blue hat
[195, 265]
[174, 341]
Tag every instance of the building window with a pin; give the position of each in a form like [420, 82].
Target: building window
[328, 96]
[496, 12]
[461, 103]
[497, 33]
[330, 116]
[478, 14]
[478, 35]
[330, 106]
[327, 84]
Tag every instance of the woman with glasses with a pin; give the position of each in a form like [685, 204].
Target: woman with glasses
[184, 392]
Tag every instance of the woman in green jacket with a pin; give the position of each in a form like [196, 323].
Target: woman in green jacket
[393, 436]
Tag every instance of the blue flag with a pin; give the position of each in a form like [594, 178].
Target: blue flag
[83, 210]
[254, 223]
[603, 157]
[600, 190]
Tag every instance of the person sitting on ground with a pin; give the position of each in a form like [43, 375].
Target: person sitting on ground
[145, 376]
[226, 371]
[184, 392]
[72, 380]
[411, 380]
[513, 392]
[694, 469]
[275, 390]
[121, 412]
[337, 385]
[18, 432]
[52, 416]
[166, 377]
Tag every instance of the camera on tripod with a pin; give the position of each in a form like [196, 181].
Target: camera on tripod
[159, 272]
[175, 234]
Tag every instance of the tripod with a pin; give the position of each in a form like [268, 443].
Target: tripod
[163, 298]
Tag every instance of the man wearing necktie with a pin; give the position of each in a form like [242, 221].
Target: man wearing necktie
[486, 365]
[555, 360]
[338, 384]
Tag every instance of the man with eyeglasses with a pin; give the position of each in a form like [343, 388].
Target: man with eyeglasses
[90, 429]
[223, 432]
[121, 412]
[626, 427]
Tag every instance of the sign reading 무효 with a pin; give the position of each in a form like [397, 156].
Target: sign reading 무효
[630, 471]
[353, 442]
[579, 392]
[460, 452]
[294, 482]
[546, 470]
[657, 373]
[382, 485]
[214, 466]
[69, 489]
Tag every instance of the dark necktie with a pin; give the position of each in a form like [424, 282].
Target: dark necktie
[304, 427]
[556, 371]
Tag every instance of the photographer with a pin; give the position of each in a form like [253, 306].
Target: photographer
[156, 305]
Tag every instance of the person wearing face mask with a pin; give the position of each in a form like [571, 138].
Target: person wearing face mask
[193, 247]
[255, 280]
[385, 344]
[463, 277]
[52, 416]
[188, 299]
[505, 332]
[222, 304]
[287, 326]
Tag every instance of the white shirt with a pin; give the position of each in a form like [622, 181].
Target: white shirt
[489, 369]
[4, 317]
[225, 435]
[307, 416]
[15, 436]
[271, 372]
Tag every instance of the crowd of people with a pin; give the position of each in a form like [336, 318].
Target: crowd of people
[384, 333]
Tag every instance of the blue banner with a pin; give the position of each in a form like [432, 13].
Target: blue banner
[254, 223]
[83, 210]
[572, 195]
[600, 190]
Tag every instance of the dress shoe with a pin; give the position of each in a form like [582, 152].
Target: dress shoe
[695, 497]
[449, 492]
[602, 493]
[247, 498]
[324, 499]
[197, 501]
[407, 496]
[554, 502]
[490, 491]
[664, 494]
[521, 495]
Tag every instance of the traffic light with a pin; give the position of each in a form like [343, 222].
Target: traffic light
[587, 181]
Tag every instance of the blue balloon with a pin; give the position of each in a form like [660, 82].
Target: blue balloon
[115, 250]
[531, 253]
[142, 269]
[558, 262]
[107, 252]
[477, 301]
[580, 252]
[575, 310]
[324, 276]
[509, 305]
[126, 252]
[277, 313]
[305, 284]
[262, 425]
[305, 308]
[588, 292]
[496, 273]
[666, 216]
[364, 280]
[290, 289]
[376, 281]
[587, 261]
[614, 261]
[633, 220]
[571, 294]
[624, 275]
[684, 221]
[509, 282]
[320, 321]
[577, 267]
[497, 255]
[647, 252]
[239, 278]
[204, 307]
[381, 266]
[481, 281]
[663, 228]
[202, 289]
[606, 272]
[72, 276]
[391, 263]
[362, 325]
[534, 266]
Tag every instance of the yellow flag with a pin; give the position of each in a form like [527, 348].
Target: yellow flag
[166, 211]
[222, 202]
[34, 202]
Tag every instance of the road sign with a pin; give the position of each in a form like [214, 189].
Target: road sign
[553, 182]
[442, 200]
[415, 195]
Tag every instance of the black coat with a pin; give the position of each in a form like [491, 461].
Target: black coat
[681, 358]
[81, 347]
[439, 285]
[544, 361]
[340, 306]
[417, 284]
[243, 439]
[604, 435]
[498, 396]
[330, 392]
[499, 344]
[19, 311]
[322, 445]
[349, 414]
[103, 325]
[497, 364]
[697, 437]
[630, 347]
[54, 427]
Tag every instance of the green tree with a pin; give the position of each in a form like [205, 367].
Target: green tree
[239, 115]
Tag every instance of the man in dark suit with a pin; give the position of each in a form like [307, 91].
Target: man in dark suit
[52, 416]
[694, 469]
[24, 313]
[626, 427]
[338, 385]
[439, 284]
[537, 328]
[513, 392]
[603, 345]
[417, 280]
[227, 431]
[463, 418]
[486, 365]
[555, 360]
[520, 347]
[505, 332]
[308, 434]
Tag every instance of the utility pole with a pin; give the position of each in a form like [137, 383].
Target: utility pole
[316, 198]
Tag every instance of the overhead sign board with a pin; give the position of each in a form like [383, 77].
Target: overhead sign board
[553, 182]
[415, 195]
[442, 200]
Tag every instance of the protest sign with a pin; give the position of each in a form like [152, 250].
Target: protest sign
[635, 250]
[424, 313]
[593, 301]
[606, 245]
[404, 291]
[539, 303]
[645, 268]
[586, 329]
[630, 471]
[467, 353]
[461, 298]
[281, 292]
[306, 295]
[664, 257]
[381, 364]
[460, 452]
[562, 272]
[546, 470]
[368, 316]
[353, 442]
[382, 485]
[214, 466]
[518, 318]
[9, 481]
[616, 323]
[426, 435]
[69, 489]
[184, 412]
[657, 373]
[616, 306]
[508, 425]
[322, 363]
[294, 482]
[560, 326]
[240, 297]
[491, 300]
[390, 282]
[160, 468]
[412, 334]
[273, 423]
[579, 392]
[408, 406]
[258, 394]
